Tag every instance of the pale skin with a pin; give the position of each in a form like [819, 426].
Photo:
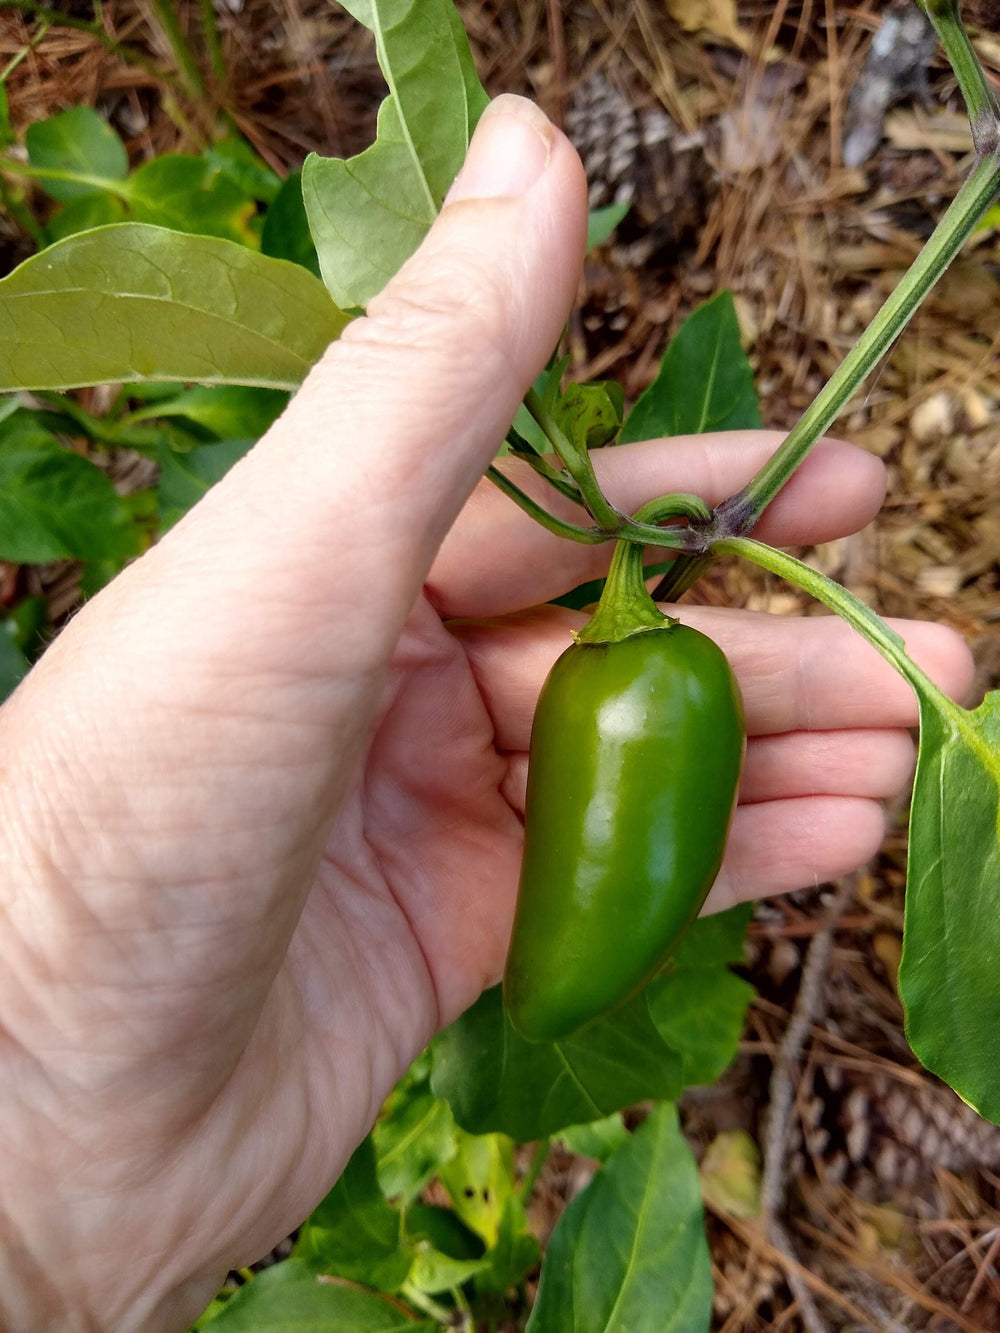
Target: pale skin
[261, 804]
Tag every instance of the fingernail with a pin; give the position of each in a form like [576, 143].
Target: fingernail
[509, 151]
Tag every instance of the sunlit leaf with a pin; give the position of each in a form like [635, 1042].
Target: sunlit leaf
[132, 302]
[79, 142]
[186, 193]
[600, 1139]
[590, 414]
[368, 214]
[479, 1177]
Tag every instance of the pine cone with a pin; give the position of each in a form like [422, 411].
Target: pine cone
[640, 157]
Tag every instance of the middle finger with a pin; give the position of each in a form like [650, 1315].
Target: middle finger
[796, 674]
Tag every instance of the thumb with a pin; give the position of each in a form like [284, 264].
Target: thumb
[352, 491]
[303, 563]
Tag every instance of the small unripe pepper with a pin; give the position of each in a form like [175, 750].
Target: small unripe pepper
[636, 751]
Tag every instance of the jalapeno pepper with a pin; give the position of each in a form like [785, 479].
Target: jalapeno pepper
[636, 751]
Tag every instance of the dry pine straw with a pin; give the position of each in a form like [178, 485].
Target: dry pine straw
[907, 1234]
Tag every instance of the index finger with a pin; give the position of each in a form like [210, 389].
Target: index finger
[496, 559]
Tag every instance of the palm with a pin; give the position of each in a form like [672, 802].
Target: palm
[406, 922]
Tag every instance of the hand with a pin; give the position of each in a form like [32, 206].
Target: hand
[261, 806]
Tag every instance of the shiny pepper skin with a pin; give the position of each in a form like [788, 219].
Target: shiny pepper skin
[636, 751]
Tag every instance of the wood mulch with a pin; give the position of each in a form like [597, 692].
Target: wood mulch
[732, 129]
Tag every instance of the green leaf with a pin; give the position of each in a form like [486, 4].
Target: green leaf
[234, 157]
[286, 228]
[494, 1080]
[227, 411]
[715, 940]
[186, 477]
[447, 1253]
[949, 978]
[513, 1255]
[444, 1230]
[699, 1012]
[291, 1298]
[629, 1254]
[55, 504]
[354, 1233]
[6, 132]
[13, 663]
[704, 383]
[367, 215]
[433, 1272]
[479, 1177]
[187, 194]
[698, 1006]
[413, 1138]
[28, 622]
[590, 414]
[731, 1174]
[78, 141]
[601, 222]
[600, 1139]
[83, 214]
[136, 302]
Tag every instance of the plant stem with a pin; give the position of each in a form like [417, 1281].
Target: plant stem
[21, 214]
[187, 66]
[683, 574]
[837, 598]
[425, 1304]
[629, 530]
[210, 30]
[577, 462]
[103, 184]
[625, 607]
[541, 515]
[538, 1160]
[679, 505]
[102, 430]
[980, 100]
[520, 448]
[743, 510]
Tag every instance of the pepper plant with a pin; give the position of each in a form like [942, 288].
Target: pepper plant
[241, 314]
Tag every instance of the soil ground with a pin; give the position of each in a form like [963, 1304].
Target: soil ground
[737, 132]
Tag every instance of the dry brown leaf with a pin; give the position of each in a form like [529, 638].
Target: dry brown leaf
[946, 131]
[715, 16]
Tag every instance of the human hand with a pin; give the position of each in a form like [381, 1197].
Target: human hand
[261, 806]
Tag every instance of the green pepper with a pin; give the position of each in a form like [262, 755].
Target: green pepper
[636, 751]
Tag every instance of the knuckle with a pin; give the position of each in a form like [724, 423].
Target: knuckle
[458, 316]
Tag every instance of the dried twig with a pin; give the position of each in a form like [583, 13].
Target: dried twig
[782, 1098]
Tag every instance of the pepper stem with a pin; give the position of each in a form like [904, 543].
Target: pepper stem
[626, 607]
